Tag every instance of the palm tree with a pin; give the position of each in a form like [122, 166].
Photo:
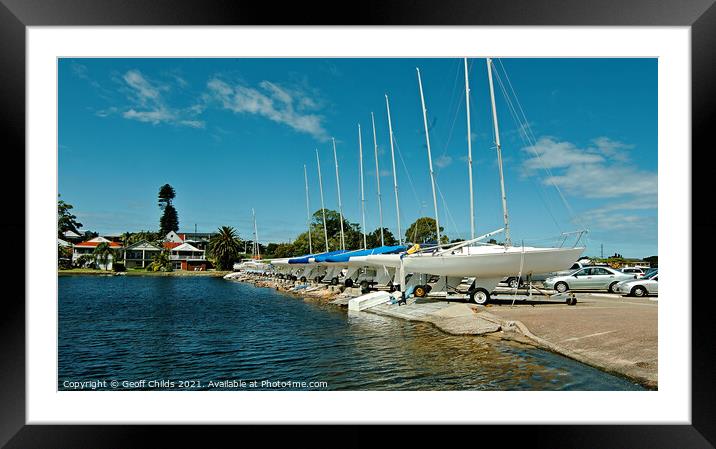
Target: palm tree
[161, 262]
[224, 248]
[103, 252]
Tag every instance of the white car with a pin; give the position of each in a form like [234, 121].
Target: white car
[645, 286]
[633, 270]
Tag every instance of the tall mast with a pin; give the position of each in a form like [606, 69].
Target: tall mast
[308, 212]
[256, 236]
[430, 157]
[377, 180]
[323, 207]
[469, 154]
[395, 176]
[508, 241]
[338, 184]
[362, 193]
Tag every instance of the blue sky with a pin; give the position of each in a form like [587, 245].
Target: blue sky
[234, 134]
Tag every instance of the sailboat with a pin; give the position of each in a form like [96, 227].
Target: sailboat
[488, 263]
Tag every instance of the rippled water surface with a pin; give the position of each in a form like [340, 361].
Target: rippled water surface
[207, 329]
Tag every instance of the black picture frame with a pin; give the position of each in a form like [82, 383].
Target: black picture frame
[16, 15]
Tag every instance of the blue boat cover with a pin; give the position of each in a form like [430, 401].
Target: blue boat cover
[365, 252]
[304, 259]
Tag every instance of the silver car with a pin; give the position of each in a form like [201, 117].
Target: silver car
[648, 285]
[589, 278]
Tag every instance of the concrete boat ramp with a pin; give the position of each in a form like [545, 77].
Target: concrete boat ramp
[454, 318]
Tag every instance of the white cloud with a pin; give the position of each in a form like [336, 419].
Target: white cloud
[601, 171]
[150, 105]
[276, 103]
[443, 161]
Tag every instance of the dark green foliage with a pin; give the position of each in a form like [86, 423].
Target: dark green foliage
[169, 220]
[103, 252]
[423, 230]
[373, 238]
[66, 221]
[224, 248]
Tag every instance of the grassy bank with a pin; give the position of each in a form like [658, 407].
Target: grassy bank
[131, 272]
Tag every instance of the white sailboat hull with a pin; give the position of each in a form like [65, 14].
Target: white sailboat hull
[377, 260]
[493, 261]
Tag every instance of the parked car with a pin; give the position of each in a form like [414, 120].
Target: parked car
[645, 286]
[588, 278]
[634, 270]
[511, 281]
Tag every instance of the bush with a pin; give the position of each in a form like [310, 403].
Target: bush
[118, 267]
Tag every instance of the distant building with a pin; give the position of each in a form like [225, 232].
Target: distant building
[72, 236]
[88, 247]
[140, 254]
[188, 257]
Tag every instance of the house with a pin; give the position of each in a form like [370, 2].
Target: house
[71, 236]
[140, 254]
[88, 247]
[188, 257]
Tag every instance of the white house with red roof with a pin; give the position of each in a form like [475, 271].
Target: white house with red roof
[88, 247]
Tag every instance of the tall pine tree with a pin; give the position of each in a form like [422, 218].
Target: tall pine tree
[169, 220]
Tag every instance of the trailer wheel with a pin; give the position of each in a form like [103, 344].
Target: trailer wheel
[334, 281]
[364, 285]
[480, 296]
[303, 278]
[391, 287]
[348, 283]
[420, 291]
[513, 282]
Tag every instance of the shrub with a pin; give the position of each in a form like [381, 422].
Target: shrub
[118, 267]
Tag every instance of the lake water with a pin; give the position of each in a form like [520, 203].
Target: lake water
[198, 330]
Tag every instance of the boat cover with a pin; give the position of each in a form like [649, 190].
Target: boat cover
[304, 259]
[365, 252]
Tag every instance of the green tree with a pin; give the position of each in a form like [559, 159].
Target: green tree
[224, 248]
[103, 252]
[373, 238]
[423, 230]
[64, 257]
[653, 261]
[169, 220]
[351, 232]
[66, 221]
[161, 262]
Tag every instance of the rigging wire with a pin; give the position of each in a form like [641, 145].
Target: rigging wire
[526, 143]
[530, 135]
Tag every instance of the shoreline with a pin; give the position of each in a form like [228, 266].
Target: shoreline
[461, 318]
[92, 272]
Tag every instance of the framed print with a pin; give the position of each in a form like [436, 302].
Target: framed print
[416, 215]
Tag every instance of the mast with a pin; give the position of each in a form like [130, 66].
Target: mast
[308, 212]
[395, 176]
[323, 207]
[377, 180]
[362, 193]
[508, 241]
[469, 154]
[430, 157]
[256, 236]
[338, 184]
